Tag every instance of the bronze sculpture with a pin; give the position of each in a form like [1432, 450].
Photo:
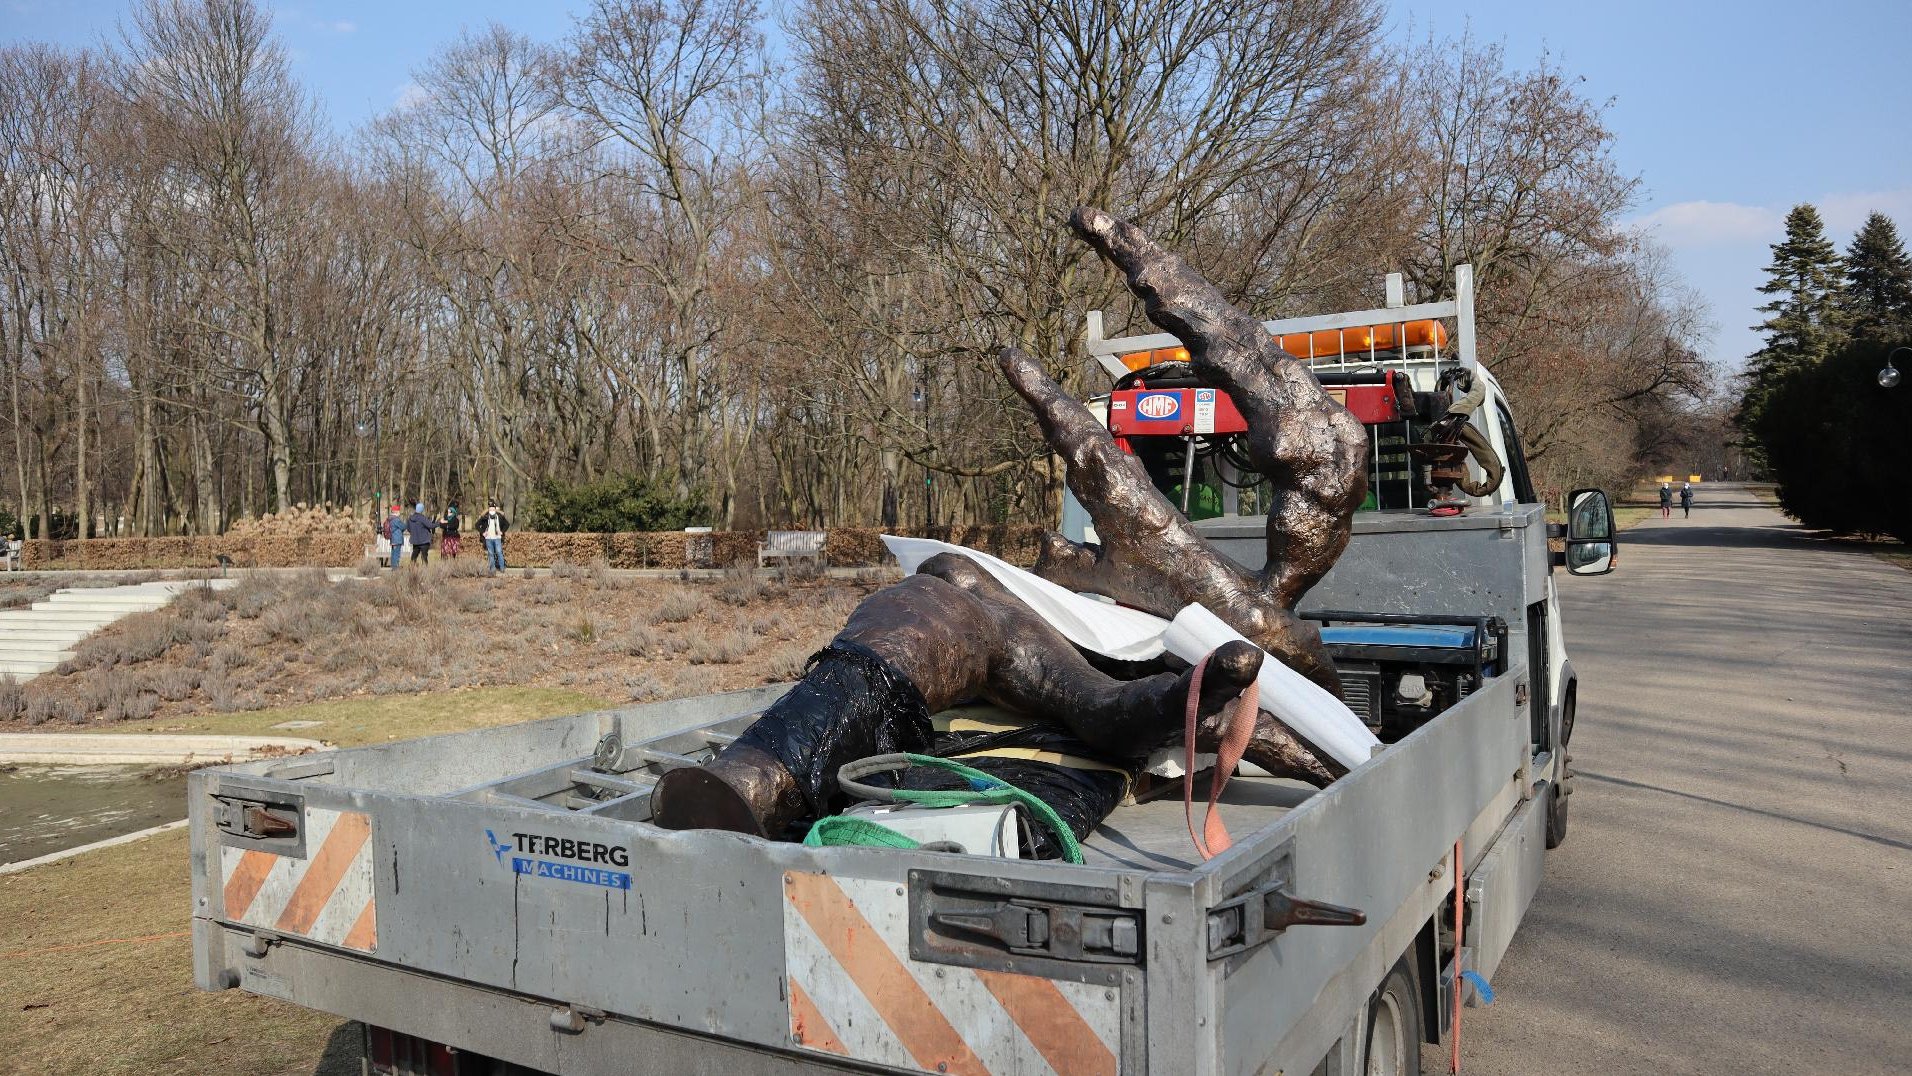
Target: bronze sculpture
[952, 632]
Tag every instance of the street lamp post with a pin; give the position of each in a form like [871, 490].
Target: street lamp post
[1889, 375]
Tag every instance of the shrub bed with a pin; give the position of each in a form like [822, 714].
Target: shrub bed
[845, 547]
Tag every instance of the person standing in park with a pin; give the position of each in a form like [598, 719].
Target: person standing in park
[448, 526]
[419, 529]
[492, 527]
[1666, 501]
[1686, 500]
[395, 533]
[381, 536]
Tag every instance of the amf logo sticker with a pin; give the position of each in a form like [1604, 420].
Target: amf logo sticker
[1159, 406]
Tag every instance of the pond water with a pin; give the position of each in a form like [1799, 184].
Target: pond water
[47, 809]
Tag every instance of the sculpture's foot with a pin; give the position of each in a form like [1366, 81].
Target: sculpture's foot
[743, 790]
[1231, 668]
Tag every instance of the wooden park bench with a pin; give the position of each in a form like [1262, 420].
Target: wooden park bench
[14, 554]
[791, 545]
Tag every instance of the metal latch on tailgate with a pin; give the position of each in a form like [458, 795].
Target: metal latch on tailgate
[1053, 930]
[261, 820]
[1022, 926]
[1262, 913]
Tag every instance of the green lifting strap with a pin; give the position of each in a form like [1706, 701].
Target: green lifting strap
[838, 830]
[984, 788]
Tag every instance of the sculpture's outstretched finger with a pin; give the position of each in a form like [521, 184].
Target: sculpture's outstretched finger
[1177, 299]
[1302, 439]
[1150, 556]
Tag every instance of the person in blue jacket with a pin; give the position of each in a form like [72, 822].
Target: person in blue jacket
[395, 533]
[420, 529]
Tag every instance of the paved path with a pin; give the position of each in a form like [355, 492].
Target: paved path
[143, 749]
[1735, 893]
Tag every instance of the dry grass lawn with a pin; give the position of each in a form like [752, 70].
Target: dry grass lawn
[357, 722]
[98, 972]
[99, 978]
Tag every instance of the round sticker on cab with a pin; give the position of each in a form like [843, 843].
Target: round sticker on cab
[1159, 406]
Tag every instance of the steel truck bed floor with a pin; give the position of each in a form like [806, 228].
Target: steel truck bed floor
[1153, 835]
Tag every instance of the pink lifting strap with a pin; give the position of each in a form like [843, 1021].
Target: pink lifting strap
[1214, 839]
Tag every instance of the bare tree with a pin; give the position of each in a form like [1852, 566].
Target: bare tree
[217, 91]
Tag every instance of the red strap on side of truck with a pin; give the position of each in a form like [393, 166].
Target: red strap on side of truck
[1213, 840]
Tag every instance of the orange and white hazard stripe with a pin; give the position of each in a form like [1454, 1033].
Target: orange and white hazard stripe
[855, 992]
[327, 896]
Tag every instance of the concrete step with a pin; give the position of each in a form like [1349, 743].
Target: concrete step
[143, 588]
[58, 627]
[88, 621]
[111, 607]
[89, 593]
[37, 640]
[43, 632]
[33, 656]
[12, 646]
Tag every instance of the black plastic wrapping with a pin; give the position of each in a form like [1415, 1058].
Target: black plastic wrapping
[850, 705]
[1082, 797]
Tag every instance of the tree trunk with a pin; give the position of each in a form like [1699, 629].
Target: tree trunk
[205, 488]
[82, 489]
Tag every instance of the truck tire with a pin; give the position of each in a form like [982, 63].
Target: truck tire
[1556, 791]
[1393, 1043]
[1556, 817]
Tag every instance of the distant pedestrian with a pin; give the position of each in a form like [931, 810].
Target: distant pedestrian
[448, 525]
[1686, 499]
[395, 533]
[419, 529]
[492, 527]
[1666, 501]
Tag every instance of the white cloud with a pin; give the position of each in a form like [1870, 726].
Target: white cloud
[410, 95]
[1692, 225]
[1705, 224]
[344, 26]
[1844, 213]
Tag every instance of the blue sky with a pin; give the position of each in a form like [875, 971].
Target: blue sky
[1729, 113]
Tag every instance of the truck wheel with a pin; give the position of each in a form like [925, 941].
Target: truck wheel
[1393, 1046]
[1556, 798]
[1556, 817]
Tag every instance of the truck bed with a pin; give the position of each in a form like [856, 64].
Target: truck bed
[498, 890]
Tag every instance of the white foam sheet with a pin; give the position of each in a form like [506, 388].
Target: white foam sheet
[1108, 629]
[1131, 635]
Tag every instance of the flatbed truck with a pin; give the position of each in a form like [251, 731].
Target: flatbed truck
[497, 901]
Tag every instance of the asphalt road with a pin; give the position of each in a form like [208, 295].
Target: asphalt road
[1735, 892]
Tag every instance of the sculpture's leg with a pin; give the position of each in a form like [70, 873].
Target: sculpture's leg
[933, 640]
[1116, 715]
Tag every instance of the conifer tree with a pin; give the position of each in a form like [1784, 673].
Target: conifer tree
[1878, 299]
[1805, 318]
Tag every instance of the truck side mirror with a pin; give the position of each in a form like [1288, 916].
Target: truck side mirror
[1592, 544]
